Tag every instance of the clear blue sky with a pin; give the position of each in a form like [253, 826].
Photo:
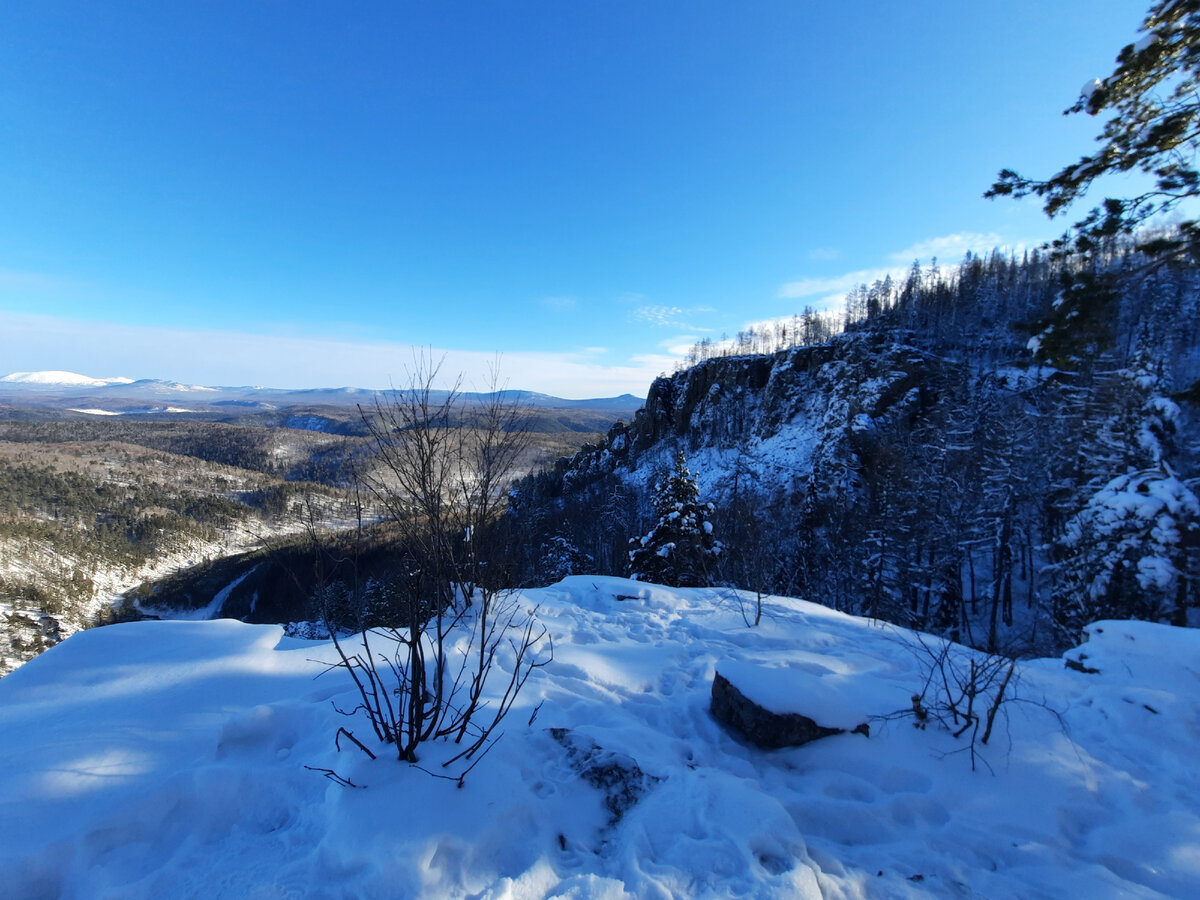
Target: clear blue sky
[296, 193]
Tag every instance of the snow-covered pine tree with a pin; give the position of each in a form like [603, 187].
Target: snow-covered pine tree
[561, 558]
[680, 549]
[1129, 551]
[1153, 113]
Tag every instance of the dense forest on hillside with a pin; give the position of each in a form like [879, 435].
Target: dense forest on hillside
[293, 454]
[81, 521]
[924, 466]
[958, 454]
[94, 510]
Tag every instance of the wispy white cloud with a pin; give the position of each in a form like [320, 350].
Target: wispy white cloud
[807, 287]
[679, 345]
[950, 248]
[671, 316]
[657, 315]
[824, 254]
[762, 325]
[33, 342]
[659, 363]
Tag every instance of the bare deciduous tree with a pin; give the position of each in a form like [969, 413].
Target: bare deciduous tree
[441, 470]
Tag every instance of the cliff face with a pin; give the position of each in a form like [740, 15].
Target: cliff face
[819, 460]
[798, 407]
[924, 469]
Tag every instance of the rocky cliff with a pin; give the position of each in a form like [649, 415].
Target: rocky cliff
[793, 409]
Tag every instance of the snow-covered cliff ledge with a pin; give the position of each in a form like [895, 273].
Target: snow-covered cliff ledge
[167, 759]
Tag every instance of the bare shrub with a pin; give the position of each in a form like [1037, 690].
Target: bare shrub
[440, 471]
[963, 691]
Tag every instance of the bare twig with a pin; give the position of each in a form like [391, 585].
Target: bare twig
[359, 744]
[334, 777]
[957, 682]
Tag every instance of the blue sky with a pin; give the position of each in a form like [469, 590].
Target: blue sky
[296, 194]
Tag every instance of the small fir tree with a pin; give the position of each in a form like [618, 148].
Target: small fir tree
[561, 558]
[679, 549]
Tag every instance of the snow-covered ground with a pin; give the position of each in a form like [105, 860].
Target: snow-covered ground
[167, 759]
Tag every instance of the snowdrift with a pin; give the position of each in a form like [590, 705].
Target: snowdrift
[168, 759]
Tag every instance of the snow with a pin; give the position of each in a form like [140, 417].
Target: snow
[179, 386]
[1086, 93]
[1141, 514]
[1165, 408]
[862, 422]
[127, 412]
[202, 614]
[167, 759]
[1016, 378]
[64, 378]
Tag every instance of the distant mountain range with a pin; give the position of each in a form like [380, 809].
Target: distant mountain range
[61, 379]
[83, 394]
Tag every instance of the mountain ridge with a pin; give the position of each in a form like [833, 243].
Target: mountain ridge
[84, 394]
[51, 381]
[59, 377]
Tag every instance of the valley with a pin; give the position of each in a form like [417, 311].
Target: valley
[96, 511]
[598, 451]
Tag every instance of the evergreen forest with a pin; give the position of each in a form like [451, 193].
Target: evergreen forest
[1000, 451]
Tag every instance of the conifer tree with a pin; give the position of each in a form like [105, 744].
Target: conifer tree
[1128, 551]
[680, 547]
[1154, 127]
[561, 558]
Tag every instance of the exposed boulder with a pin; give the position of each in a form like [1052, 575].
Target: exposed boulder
[770, 720]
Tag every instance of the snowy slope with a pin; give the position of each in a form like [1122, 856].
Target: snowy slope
[61, 379]
[166, 759]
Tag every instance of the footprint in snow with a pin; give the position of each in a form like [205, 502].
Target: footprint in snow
[904, 781]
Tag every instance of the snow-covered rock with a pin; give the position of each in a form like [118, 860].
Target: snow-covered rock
[774, 707]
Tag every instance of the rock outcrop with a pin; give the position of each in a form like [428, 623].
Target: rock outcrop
[840, 392]
[766, 728]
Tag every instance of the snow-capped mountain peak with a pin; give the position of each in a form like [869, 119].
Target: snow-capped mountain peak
[55, 377]
[83, 392]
